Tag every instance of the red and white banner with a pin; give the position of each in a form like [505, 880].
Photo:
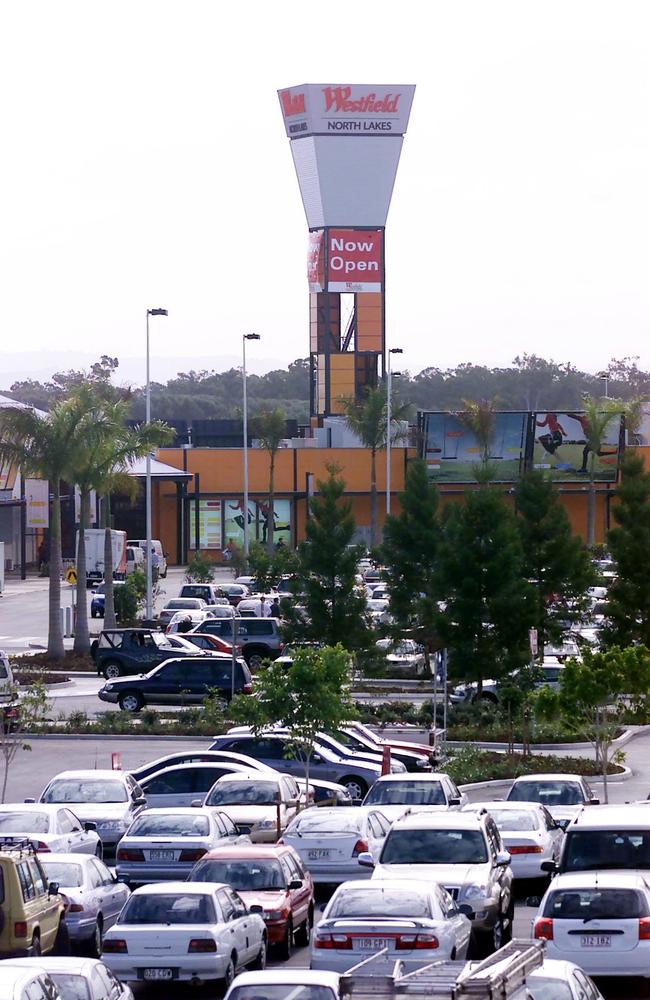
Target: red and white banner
[316, 262]
[354, 260]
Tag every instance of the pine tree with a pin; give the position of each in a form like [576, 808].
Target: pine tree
[556, 561]
[628, 597]
[487, 598]
[409, 553]
[334, 609]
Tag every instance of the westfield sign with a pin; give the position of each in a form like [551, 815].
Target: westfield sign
[338, 99]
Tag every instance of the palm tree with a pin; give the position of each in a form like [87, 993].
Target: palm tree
[367, 418]
[45, 446]
[595, 420]
[480, 418]
[271, 429]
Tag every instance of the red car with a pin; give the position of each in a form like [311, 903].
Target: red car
[271, 876]
[211, 642]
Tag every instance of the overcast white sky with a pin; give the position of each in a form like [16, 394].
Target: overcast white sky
[145, 163]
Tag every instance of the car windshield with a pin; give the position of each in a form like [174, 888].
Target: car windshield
[242, 875]
[549, 793]
[70, 986]
[168, 908]
[406, 793]
[388, 903]
[24, 822]
[296, 991]
[596, 904]
[515, 819]
[179, 825]
[591, 849]
[244, 793]
[68, 876]
[84, 790]
[545, 988]
[330, 823]
[434, 847]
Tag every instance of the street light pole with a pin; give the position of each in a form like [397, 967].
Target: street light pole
[149, 603]
[246, 336]
[604, 377]
[393, 350]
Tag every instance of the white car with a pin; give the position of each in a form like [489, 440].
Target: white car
[278, 984]
[329, 841]
[187, 931]
[398, 794]
[556, 980]
[529, 833]
[182, 784]
[417, 922]
[180, 604]
[95, 895]
[50, 828]
[19, 983]
[564, 795]
[600, 920]
[258, 803]
[166, 843]
[74, 978]
[406, 657]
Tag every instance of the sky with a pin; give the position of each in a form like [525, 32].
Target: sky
[145, 164]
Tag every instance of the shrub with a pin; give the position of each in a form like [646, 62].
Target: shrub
[200, 569]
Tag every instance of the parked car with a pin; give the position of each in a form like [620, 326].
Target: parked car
[20, 983]
[184, 681]
[260, 805]
[184, 931]
[404, 659]
[613, 837]
[260, 638]
[183, 784]
[548, 675]
[197, 756]
[157, 545]
[98, 599]
[210, 643]
[31, 909]
[165, 844]
[564, 795]
[416, 922]
[272, 877]
[325, 793]
[124, 651]
[180, 604]
[109, 799]
[134, 559]
[182, 622]
[600, 920]
[529, 833]
[208, 592]
[355, 739]
[278, 984]
[74, 978]
[330, 742]
[235, 592]
[95, 896]
[329, 841]
[50, 828]
[465, 854]
[281, 753]
[558, 980]
[396, 794]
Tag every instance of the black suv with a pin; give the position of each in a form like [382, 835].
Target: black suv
[122, 651]
[259, 637]
[179, 682]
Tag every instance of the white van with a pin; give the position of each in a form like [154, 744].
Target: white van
[157, 545]
[134, 559]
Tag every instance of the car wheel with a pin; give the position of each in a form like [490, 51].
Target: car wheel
[259, 963]
[112, 670]
[229, 974]
[35, 948]
[285, 946]
[507, 924]
[97, 938]
[355, 785]
[302, 936]
[255, 660]
[497, 938]
[130, 701]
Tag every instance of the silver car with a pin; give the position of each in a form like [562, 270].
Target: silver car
[329, 841]
[96, 897]
[50, 828]
[165, 844]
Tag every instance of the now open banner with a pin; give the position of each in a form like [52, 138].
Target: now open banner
[355, 260]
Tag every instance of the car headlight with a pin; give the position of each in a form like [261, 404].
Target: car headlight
[108, 687]
[397, 767]
[473, 891]
[264, 824]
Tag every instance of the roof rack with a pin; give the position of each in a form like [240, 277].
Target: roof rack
[502, 976]
[8, 843]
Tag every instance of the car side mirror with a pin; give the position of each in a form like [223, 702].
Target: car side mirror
[29, 800]
[467, 911]
[454, 802]
[90, 827]
[503, 859]
[52, 888]
[256, 908]
[366, 860]
[533, 901]
[295, 883]
[549, 866]
[140, 801]
[197, 803]
[316, 758]
[594, 802]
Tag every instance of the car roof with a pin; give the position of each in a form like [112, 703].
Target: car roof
[182, 888]
[413, 777]
[252, 851]
[51, 963]
[175, 811]
[512, 805]
[68, 858]
[619, 879]
[548, 777]
[39, 807]
[289, 977]
[613, 816]
[324, 811]
[440, 820]
[12, 974]
[253, 775]
[102, 773]
[238, 769]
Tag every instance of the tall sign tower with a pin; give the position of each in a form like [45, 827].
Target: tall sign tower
[346, 142]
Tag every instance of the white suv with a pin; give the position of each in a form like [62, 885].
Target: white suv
[463, 852]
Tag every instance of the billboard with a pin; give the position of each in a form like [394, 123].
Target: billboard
[354, 260]
[346, 109]
[37, 496]
[258, 519]
[560, 447]
[452, 451]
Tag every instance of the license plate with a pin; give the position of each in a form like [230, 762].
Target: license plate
[158, 973]
[595, 940]
[373, 944]
[318, 855]
[161, 855]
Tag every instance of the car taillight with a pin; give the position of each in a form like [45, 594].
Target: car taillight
[195, 855]
[408, 942]
[201, 945]
[340, 942]
[41, 847]
[543, 929]
[75, 908]
[129, 854]
[247, 689]
[526, 849]
[281, 647]
[20, 929]
[644, 929]
[115, 946]
[361, 847]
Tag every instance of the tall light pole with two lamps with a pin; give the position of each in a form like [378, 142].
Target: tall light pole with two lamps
[148, 566]
[389, 379]
[246, 336]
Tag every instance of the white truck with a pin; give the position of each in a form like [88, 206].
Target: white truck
[94, 538]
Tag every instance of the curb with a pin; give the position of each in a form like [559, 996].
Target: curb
[107, 736]
[499, 783]
[620, 741]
